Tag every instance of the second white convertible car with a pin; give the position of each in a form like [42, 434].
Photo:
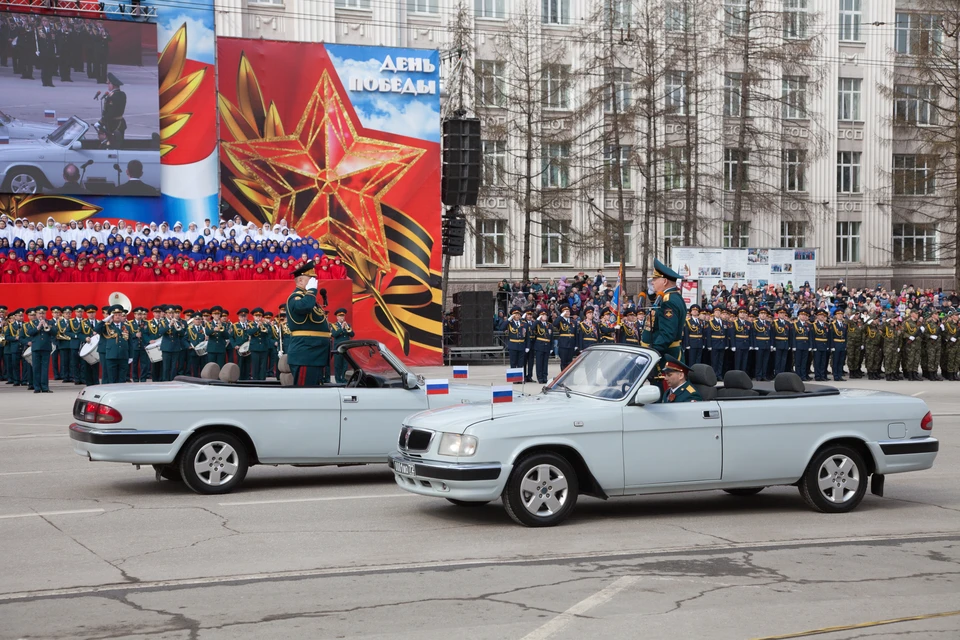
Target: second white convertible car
[600, 430]
[209, 432]
[16, 129]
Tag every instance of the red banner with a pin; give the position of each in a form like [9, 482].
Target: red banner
[267, 294]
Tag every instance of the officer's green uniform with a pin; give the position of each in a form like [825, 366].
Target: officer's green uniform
[194, 336]
[855, 346]
[76, 341]
[62, 355]
[911, 349]
[951, 347]
[308, 350]
[115, 349]
[41, 345]
[663, 330]
[685, 392]
[931, 347]
[88, 372]
[341, 332]
[11, 352]
[171, 336]
[873, 348]
[259, 336]
[24, 343]
[217, 334]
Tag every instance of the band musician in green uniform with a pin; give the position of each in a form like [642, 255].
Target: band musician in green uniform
[308, 350]
[341, 333]
[663, 330]
[677, 388]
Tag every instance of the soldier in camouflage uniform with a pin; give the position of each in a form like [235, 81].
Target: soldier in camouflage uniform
[855, 345]
[911, 349]
[891, 331]
[950, 358]
[931, 346]
[873, 346]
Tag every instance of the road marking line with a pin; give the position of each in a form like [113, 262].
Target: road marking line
[568, 616]
[918, 393]
[378, 569]
[332, 499]
[861, 625]
[19, 473]
[37, 514]
[45, 415]
[27, 436]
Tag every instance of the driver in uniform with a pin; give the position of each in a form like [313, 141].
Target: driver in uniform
[308, 350]
[677, 388]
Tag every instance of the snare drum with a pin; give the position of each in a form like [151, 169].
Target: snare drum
[89, 353]
[201, 348]
[28, 355]
[244, 349]
[153, 351]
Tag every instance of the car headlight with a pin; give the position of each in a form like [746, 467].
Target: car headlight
[454, 444]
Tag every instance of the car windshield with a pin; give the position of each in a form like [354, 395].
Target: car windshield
[4, 118]
[372, 361]
[602, 373]
[67, 133]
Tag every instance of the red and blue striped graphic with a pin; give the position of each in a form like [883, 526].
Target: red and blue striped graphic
[502, 394]
[514, 375]
[460, 372]
[438, 387]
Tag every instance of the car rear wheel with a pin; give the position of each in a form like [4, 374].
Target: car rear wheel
[467, 503]
[23, 180]
[750, 491]
[835, 481]
[213, 463]
[542, 490]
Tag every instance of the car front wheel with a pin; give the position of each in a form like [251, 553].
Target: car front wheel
[835, 481]
[213, 463]
[23, 181]
[542, 490]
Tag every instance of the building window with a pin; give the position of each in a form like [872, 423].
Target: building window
[794, 170]
[914, 175]
[792, 234]
[618, 13]
[915, 104]
[849, 99]
[732, 94]
[848, 172]
[556, 165]
[736, 169]
[491, 242]
[491, 80]
[421, 6]
[554, 242]
[919, 34]
[677, 19]
[494, 162]
[914, 242]
[611, 242]
[672, 237]
[848, 242]
[489, 8]
[676, 92]
[729, 235]
[674, 168]
[556, 11]
[735, 17]
[850, 18]
[619, 87]
[794, 97]
[610, 160]
[555, 85]
[352, 4]
[794, 19]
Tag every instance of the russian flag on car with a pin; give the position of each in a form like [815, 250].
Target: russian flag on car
[514, 375]
[438, 387]
[62, 120]
[502, 394]
[460, 372]
[49, 113]
[4, 139]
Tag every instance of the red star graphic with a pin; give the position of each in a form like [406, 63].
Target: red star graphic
[325, 180]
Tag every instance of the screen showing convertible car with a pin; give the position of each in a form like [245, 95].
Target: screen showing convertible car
[79, 106]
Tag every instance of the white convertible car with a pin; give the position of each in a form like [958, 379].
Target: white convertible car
[208, 432]
[15, 129]
[32, 166]
[600, 430]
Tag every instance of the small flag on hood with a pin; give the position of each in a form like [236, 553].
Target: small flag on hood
[49, 113]
[514, 375]
[502, 394]
[460, 372]
[438, 387]
[4, 139]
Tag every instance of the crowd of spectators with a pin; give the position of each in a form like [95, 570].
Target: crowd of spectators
[99, 251]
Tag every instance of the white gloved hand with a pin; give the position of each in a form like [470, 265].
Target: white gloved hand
[312, 283]
[733, 348]
[129, 360]
[793, 349]
[911, 338]
[932, 337]
[953, 339]
[526, 350]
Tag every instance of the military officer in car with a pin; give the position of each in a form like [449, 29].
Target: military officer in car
[677, 389]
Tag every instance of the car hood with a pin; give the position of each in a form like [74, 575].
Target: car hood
[458, 418]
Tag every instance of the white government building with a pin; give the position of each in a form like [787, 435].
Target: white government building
[855, 188]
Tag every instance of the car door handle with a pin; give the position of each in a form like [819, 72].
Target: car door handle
[350, 399]
[711, 415]
[111, 155]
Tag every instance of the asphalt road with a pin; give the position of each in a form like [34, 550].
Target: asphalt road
[96, 550]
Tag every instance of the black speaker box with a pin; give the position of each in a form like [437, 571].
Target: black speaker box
[462, 162]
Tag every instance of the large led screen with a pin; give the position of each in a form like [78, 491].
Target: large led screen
[79, 108]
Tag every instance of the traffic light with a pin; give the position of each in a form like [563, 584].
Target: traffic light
[454, 228]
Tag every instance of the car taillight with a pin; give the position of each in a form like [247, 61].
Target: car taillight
[90, 411]
[107, 414]
[927, 423]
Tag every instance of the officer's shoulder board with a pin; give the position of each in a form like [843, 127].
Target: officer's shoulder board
[689, 388]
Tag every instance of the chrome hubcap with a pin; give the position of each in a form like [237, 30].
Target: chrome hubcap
[216, 463]
[839, 479]
[23, 183]
[544, 490]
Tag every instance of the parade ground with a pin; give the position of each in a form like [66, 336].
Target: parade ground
[98, 550]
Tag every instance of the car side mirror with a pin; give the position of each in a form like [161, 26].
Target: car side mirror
[410, 381]
[647, 394]
[76, 145]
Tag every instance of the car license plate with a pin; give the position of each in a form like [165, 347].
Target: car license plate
[405, 468]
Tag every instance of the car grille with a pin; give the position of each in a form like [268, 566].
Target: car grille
[415, 439]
